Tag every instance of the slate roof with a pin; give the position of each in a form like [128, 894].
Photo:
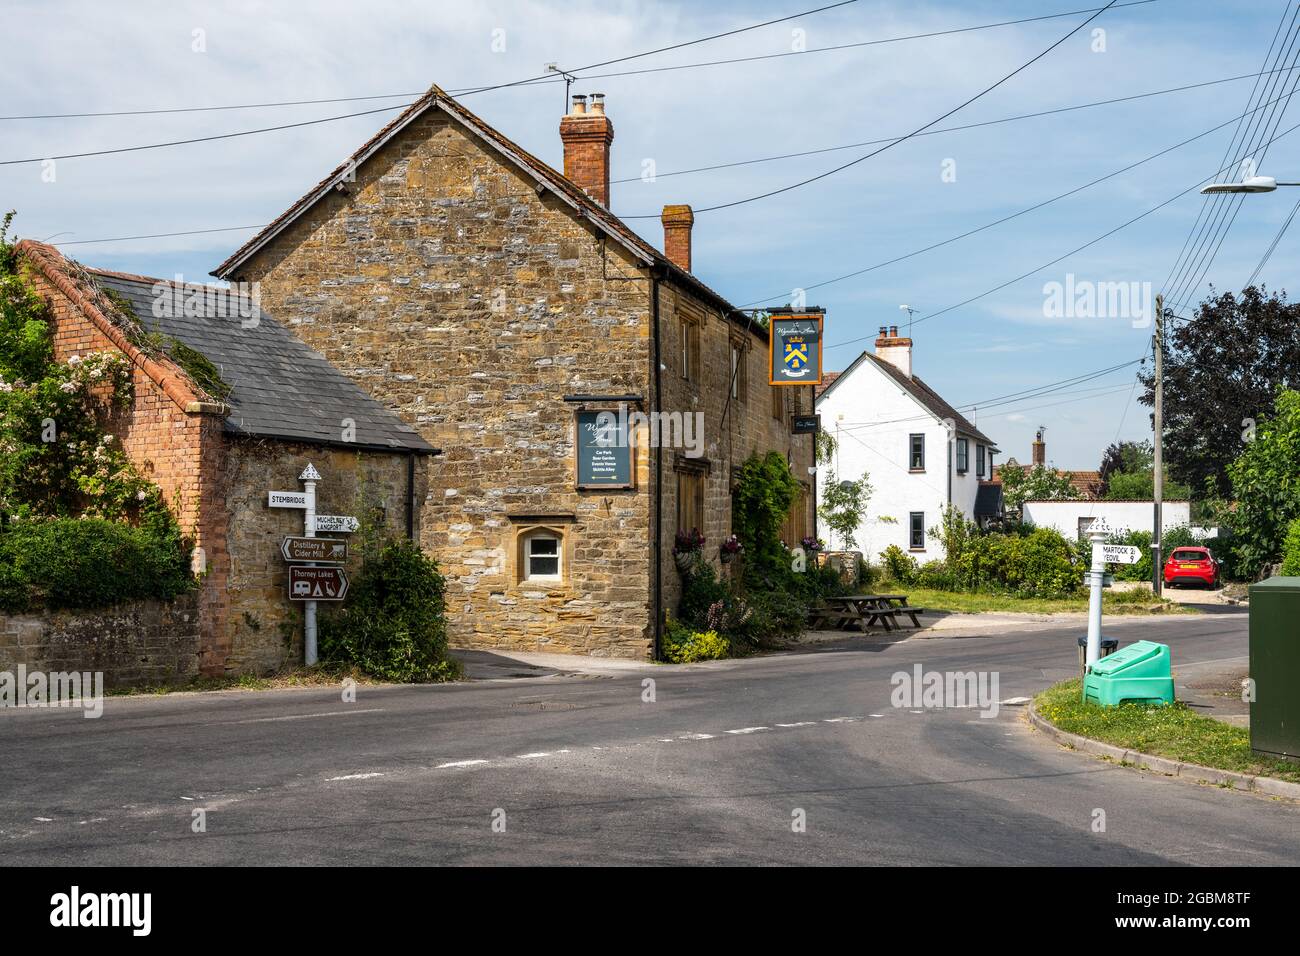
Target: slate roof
[928, 398]
[601, 217]
[280, 388]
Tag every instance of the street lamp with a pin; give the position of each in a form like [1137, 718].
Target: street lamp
[1251, 184]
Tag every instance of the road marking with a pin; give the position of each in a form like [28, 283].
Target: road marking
[43, 819]
[801, 723]
[459, 763]
[748, 730]
[324, 713]
[357, 776]
[875, 715]
[840, 720]
[697, 736]
[540, 753]
[1015, 701]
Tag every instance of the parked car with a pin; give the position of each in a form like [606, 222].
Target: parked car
[1192, 566]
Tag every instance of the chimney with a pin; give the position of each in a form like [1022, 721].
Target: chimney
[677, 222]
[587, 134]
[1039, 449]
[894, 349]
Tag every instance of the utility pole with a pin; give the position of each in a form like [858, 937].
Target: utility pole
[1157, 461]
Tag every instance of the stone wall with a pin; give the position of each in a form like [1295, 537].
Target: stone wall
[134, 644]
[262, 627]
[449, 290]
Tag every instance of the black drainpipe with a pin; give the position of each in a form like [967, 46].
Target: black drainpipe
[659, 475]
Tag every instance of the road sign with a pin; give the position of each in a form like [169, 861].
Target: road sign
[1120, 554]
[336, 523]
[805, 424]
[287, 499]
[316, 584]
[329, 550]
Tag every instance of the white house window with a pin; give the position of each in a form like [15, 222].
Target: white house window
[979, 461]
[916, 453]
[916, 536]
[963, 456]
[542, 557]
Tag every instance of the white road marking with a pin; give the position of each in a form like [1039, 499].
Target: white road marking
[841, 720]
[696, 737]
[801, 723]
[748, 730]
[43, 819]
[1015, 701]
[326, 713]
[357, 776]
[540, 753]
[459, 763]
[875, 715]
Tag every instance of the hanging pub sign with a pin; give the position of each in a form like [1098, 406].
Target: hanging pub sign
[605, 457]
[805, 424]
[795, 348]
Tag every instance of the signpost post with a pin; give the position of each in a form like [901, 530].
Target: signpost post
[1102, 555]
[309, 477]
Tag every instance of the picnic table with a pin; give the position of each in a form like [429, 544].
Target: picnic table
[863, 610]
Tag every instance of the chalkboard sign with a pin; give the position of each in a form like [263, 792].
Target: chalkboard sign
[795, 350]
[604, 453]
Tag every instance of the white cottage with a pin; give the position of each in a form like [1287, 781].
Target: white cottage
[920, 452]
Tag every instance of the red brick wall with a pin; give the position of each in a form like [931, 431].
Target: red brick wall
[177, 450]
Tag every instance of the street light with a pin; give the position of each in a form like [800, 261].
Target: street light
[1251, 184]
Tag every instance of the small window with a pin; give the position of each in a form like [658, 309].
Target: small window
[778, 402]
[690, 346]
[739, 378]
[916, 456]
[690, 501]
[542, 557]
[979, 461]
[916, 537]
[963, 456]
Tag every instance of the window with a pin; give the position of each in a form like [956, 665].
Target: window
[979, 461]
[963, 456]
[690, 500]
[739, 378]
[916, 536]
[690, 347]
[541, 556]
[778, 402]
[916, 456]
[795, 527]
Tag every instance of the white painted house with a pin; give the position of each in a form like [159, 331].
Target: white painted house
[1073, 518]
[920, 453]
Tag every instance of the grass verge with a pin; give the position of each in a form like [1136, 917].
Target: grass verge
[1137, 601]
[1176, 732]
[300, 677]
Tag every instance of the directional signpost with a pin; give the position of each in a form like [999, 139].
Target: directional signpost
[336, 523]
[1120, 554]
[309, 583]
[319, 550]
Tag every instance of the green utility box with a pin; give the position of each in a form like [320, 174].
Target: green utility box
[1138, 673]
[1275, 667]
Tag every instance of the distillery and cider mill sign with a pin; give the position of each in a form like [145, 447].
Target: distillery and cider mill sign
[795, 345]
[604, 452]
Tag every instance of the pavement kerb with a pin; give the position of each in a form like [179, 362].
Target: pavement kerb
[1269, 786]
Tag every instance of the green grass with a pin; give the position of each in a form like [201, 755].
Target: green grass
[1176, 732]
[299, 677]
[974, 602]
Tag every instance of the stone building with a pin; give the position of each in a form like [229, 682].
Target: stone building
[494, 304]
[217, 443]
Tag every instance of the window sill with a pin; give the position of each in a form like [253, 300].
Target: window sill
[917, 550]
[916, 471]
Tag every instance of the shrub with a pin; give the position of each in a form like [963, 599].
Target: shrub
[898, 564]
[91, 562]
[936, 575]
[1038, 564]
[764, 490]
[701, 589]
[1291, 550]
[682, 645]
[777, 613]
[392, 626]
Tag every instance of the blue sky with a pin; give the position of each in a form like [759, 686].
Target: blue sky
[85, 56]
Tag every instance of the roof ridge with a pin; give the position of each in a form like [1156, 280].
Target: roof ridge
[169, 376]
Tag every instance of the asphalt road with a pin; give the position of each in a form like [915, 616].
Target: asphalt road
[582, 770]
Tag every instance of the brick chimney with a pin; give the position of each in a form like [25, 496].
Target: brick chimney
[895, 349]
[677, 222]
[587, 134]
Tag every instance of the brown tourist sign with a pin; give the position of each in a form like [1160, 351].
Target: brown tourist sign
[317, 584]
[328, 550]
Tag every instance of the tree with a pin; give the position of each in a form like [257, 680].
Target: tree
[1036, 483]
[1122, 458]
[1266, 484]
[1222, 370]
[1128, 473]
[843, 505]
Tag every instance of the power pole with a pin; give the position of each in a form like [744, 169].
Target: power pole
[1157, 462]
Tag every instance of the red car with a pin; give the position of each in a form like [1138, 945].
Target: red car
[1192, 565]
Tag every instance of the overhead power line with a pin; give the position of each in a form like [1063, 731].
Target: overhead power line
[550, 79]
[876, 152]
